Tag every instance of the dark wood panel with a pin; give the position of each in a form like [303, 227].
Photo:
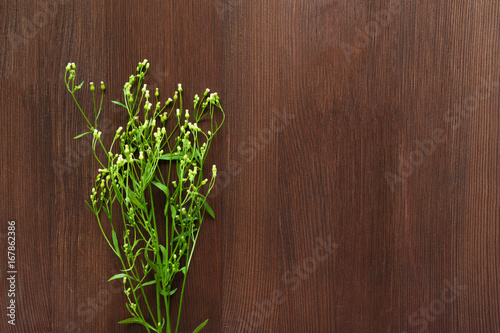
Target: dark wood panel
[358, 167]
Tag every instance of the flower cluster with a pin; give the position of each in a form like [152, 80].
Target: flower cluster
[131, 176]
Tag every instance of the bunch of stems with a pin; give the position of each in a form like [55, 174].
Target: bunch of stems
[158, 148]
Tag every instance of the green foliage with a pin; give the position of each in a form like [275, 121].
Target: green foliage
[158, 149]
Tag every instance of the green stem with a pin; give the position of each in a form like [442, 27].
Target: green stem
[180, 302]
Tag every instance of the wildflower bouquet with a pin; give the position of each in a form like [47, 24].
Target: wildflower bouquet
[159, 148]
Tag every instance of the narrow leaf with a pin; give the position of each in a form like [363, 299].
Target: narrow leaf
[134, 199]
[79, 86]
[174, 212]
[196, 154]
[170, 157]
[133, 320]
[118, 193]
[106, 211]
[80, 135]
[115, 243]
[168, 293]
[209, 210]
[163, 251]
[121, 276]
[149, 283]
[151, 264]
[92, 209]
[120, 104]
[200, 327]
[185, 234]
[161, 187]
[150, 216]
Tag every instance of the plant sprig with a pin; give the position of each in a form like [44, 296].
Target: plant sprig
[156, 135]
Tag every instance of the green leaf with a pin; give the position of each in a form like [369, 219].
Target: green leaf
[149, 283]
[120, 104]
[150, 216]
[133, 320]
[121, 276]
[106, 211]
[163, 252]
[170, 157]
[161, 187]
[174, 211]
[209, 210]
[200, 326]
[151, 264]
[115, 243]
[79, 86]
[168, 293]
[185, 234]
[134, 199]
[118, 193]
[196, 155]
[92, 209]
[80, 135]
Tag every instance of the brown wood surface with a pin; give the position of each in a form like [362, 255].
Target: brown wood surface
[358, 167]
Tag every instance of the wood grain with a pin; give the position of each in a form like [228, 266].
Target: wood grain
[358, 167]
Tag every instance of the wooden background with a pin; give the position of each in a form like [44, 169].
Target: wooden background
[358, 187]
